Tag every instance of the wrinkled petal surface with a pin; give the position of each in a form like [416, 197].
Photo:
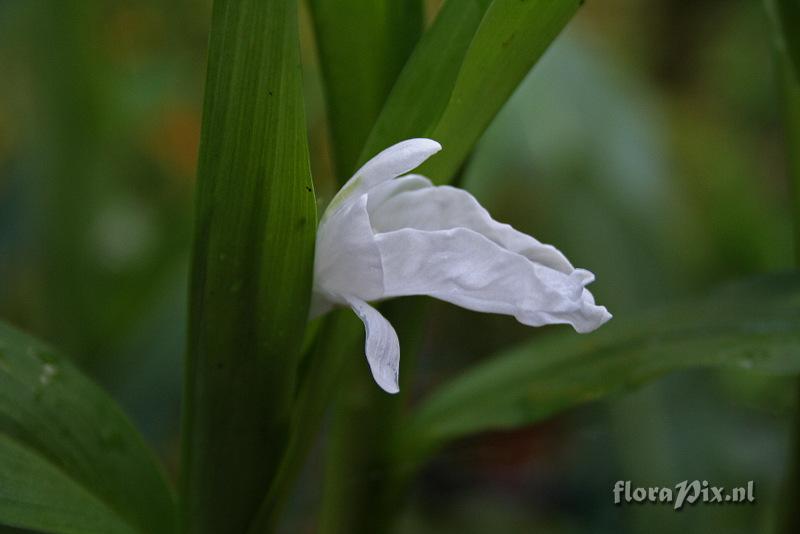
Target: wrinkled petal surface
[466, 268]
[445, 207]
[386, 191]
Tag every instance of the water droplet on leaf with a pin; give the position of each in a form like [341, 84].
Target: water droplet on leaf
[49, 372]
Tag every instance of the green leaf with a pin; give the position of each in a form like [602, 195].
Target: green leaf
[362, 44]
[251, 267]
[70, 461]
[752, 325]
[463, 71]
[423, 89]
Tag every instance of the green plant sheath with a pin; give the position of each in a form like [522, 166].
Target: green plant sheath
[251, 265]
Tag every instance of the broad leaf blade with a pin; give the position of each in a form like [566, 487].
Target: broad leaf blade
[37, 494]
[753, 325]
[463, 70]
[251, 267]
[363, 44]
[69, 459]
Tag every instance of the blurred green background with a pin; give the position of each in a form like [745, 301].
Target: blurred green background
[647, 145]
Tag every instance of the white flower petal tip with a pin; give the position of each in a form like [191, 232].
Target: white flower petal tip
[381, 345]
[397, 160]
[390, 234]
[589, 316]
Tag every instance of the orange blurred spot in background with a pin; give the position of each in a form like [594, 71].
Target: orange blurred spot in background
[175, 140]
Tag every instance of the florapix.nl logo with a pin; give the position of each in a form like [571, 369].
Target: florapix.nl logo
[682, 493]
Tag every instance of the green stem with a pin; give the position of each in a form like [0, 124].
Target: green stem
[364, 485]
[333, 348]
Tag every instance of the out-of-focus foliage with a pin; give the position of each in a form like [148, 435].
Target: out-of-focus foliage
[99, 114]
[70, 461]
[754, 325]
[787, 15]
[646, 145]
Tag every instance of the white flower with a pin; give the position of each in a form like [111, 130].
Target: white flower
[384, 236]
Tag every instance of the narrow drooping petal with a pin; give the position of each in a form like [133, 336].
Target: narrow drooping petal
[442, 208]
[465, 268]
[381, 345]
[395, 161]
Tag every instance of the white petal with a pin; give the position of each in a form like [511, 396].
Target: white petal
[381, 345]
[347, 262]
[397, 160]
[465, 268]
[443, 208]
[385, 191]
[394, 161]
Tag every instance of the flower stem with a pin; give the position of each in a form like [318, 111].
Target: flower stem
[320, 377]
[364, 485]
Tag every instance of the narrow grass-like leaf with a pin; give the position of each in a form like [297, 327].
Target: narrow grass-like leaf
[362, 44]
[752, 325]
[463, 71]
[251, 267]
[423, 89]
[70, 461]
[512, 37]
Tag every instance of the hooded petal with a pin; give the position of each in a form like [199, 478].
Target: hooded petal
[468, 269]
[443, 208]
[386, 191]
[381, 345]
[347, 260]
[394, 161]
